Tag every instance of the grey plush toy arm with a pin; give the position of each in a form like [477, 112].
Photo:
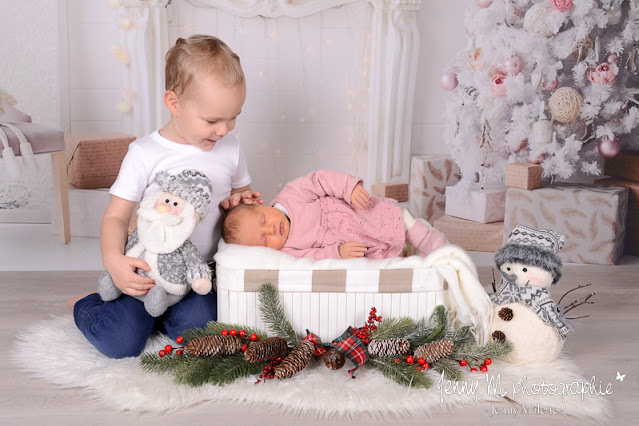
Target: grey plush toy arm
[195, 266]
[132, 240]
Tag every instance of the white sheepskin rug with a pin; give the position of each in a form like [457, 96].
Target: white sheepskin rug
[123, 385]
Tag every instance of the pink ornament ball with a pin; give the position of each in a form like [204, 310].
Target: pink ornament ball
[484, 3]
[613, 58]
[513, 65]
[448, 80]
[608, 148]
[549, 86]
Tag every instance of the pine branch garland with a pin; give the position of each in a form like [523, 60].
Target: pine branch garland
[273, 315]
[391, 328]
[215, 328]
[475, 355]
[449, 367]
[402, 373]
[153, 363]
[432, 330]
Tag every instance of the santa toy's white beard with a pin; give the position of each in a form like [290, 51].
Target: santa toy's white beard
[164, 233]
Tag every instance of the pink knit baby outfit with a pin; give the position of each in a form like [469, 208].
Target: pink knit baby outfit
[322, 218]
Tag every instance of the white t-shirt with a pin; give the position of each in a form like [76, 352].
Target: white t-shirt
[224, 165]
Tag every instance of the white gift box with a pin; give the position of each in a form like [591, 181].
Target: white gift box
[473, 203]
[86, 209]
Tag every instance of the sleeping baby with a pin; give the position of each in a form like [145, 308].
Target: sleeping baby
[329, 215]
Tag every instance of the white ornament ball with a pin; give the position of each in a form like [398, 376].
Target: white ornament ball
[513, 65]
[536, 19]
[448, 80]
[608, 148]
[484, 3]
[565, 104]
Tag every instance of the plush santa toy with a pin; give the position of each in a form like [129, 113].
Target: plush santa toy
[166, 220]
[524, 312]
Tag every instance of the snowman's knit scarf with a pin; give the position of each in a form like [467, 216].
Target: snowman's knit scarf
[538, 299]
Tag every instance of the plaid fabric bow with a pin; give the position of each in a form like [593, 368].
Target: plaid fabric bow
[349, 345]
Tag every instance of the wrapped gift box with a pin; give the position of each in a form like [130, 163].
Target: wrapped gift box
[523, 175]
[429, 177]
[94, 160]
[631, 244]
[625, 165]
[473, 203]
[396, 190]
[592, 218]
[470, 235]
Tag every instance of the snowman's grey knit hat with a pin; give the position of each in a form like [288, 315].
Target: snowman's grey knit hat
[533, 247]
[190, 184]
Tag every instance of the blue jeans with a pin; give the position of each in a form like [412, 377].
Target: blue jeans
[120, 328]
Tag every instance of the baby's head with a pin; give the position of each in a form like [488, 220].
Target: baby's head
[256, 225]
[205, 91]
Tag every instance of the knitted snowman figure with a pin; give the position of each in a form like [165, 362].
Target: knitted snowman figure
[523, 311]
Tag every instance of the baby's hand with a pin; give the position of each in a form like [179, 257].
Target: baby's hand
[351, 250]
[246, 197]
[360, 197]
[122, 271]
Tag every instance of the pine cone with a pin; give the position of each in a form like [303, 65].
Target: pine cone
[214, 345]
[499, 335]
[434, 351]
[386, 348]
[296, 360]
[505, 314]
[266, 349]
[334, 359]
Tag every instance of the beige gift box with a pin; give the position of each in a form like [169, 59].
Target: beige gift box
[429, 177]
[592, 218]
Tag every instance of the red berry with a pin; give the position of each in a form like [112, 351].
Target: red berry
[473, 370]
[463, 363]
[483, 368]
[244, 347]
[180, 352]
[168, 348]
[161, 353]
[396, 361]
[242, 333]
[419, 368]
[488, 361]
[378, 319]
[179, 340]
[426, 366]
[410, 359]
[233, 332]
[254, 337]
[225, 332]
[421, 361]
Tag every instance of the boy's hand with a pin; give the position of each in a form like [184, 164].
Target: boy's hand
[351, 250]
[122, 271]
[360, 197]
[245, 197]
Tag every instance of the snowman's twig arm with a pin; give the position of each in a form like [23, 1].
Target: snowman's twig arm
[579, 302]
[570, 291]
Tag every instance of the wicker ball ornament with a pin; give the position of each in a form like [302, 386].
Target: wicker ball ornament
[565, 104]
[536, 20]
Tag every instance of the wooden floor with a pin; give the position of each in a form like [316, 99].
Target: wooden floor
[604, 344]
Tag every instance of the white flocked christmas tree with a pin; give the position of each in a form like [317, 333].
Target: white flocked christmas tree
[553, 82]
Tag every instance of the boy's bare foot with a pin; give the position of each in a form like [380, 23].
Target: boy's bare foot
[71, 301]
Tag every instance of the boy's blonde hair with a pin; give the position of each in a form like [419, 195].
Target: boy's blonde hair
[197, 55]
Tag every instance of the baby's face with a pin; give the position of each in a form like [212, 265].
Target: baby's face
[264, 226]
